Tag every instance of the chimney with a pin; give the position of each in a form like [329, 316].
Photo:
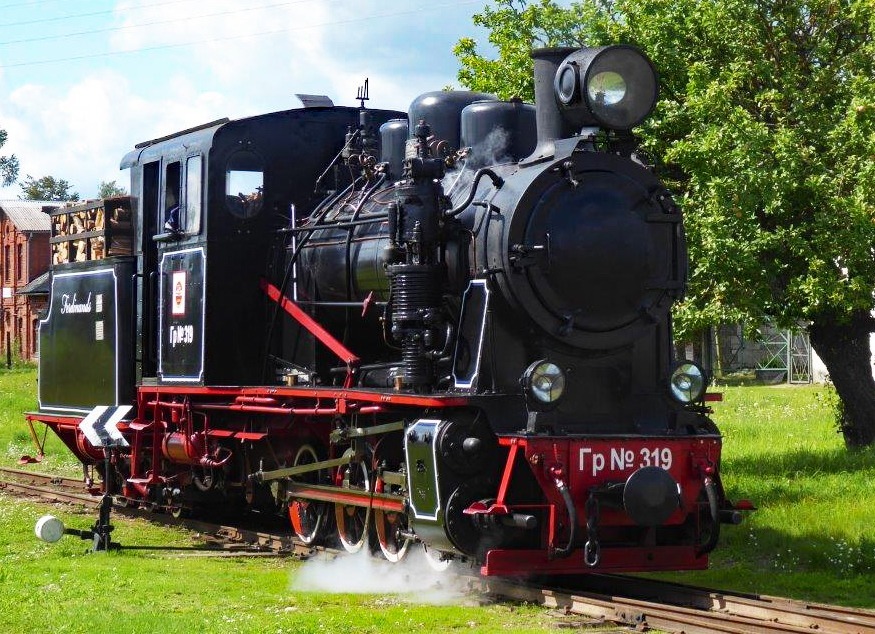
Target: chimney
[551, 125]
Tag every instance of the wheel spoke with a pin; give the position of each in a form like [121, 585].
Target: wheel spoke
[393, 546]
[353, 521]
[308, 517]
[390, 526]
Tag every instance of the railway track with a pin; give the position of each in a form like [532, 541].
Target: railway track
[237, 539]
[644, 604]
[46, 487]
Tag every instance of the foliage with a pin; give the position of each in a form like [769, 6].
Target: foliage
[771, 143]
[515, 27]
[110, 189]
[8, 164]
[47, 188]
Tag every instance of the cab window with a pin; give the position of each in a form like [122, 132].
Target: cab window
[244, 184]
[193, 194]
[181, 211]
[172, 194]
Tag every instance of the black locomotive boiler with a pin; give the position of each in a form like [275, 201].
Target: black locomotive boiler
[448, 327]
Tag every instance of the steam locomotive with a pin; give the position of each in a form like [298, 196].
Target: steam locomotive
[447, 327]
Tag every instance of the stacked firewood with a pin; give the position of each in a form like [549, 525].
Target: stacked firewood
[74, 224]
[84, 231]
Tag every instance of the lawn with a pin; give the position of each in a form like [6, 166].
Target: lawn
[18, 389]
[60, 588]
[813, 535]
[812, 538]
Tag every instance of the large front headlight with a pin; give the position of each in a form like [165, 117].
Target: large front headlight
[688, 382]
[543, 382]
[611, 87]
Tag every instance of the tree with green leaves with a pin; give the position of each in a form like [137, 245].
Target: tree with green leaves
[110, 189]
[766, 129]
[8, 164]
[47, 188]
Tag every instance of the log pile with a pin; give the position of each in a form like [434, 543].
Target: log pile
[81, 233]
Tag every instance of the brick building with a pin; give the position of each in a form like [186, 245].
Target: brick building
[24, 265]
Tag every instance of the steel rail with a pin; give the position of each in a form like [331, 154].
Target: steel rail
[49, 494]
[58, 489]
[817, 616]
[642, 614]
[43, 479]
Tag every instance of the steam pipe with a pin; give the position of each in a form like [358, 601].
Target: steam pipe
[713, 506]
[341, 225]
[255, 400]
[208, 462]
[497, 181]
[450, 339]
[566, 550]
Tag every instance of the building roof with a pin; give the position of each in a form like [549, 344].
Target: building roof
[37, 286]
[29, 215]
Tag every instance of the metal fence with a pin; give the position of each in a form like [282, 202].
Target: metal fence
[775, 355]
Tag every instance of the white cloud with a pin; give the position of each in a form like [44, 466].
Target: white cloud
[80, 128]
[81, 134]
[262, 57]
[230, 41]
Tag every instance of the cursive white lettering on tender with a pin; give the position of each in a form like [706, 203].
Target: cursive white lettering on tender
[70, 305]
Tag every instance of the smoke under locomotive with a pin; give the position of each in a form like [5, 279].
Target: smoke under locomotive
[449, 326]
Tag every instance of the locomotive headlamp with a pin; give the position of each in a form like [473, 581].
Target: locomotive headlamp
[688, 382]
[612, 87]
[567, 90]
[543, 382]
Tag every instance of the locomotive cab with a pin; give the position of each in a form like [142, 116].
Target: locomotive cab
[212, 200]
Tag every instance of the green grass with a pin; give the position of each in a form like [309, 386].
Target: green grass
[18, 390]
[60, 588]
[813, 535]
[812, 538]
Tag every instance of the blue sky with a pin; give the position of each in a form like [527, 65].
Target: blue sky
[82, 82]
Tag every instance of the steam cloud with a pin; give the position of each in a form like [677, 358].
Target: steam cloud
[411, 579]
[492, 150]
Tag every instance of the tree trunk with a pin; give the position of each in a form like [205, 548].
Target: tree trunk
[843, 346]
